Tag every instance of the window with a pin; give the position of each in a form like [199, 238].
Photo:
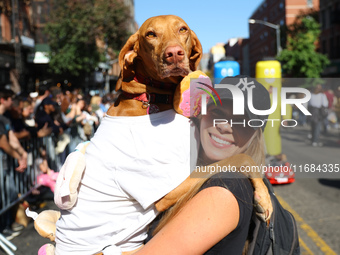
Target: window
[25, 27]
[337, 47]
[4, 77]
[328, 17]
[323, 19]
[324, 46]
[331, 54]
[310, 3]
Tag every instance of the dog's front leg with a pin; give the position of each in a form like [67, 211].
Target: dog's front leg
[263, 203]
[172, 197]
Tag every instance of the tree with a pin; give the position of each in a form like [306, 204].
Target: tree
[300, 58]
[78, 30]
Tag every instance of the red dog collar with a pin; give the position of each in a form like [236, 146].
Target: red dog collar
[146, 99]
[150, 99]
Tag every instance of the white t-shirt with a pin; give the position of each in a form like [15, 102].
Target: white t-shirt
[318, 100]
[131, 162]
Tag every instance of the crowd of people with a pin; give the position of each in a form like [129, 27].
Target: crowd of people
[69, 117]
[324, 106]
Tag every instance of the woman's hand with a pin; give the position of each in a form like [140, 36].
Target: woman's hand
[44, 131]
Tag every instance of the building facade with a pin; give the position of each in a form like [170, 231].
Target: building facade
[24, 46]
[263, 38]
[16, 42]
[238, 48]
[330, 35]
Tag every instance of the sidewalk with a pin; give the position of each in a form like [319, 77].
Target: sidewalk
[29, 241]
[300, 133]
[307, 161]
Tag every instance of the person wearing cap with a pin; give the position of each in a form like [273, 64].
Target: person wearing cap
[44, 115]
[214, 217]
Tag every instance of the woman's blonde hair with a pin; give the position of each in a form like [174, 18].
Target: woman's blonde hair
[256, 150]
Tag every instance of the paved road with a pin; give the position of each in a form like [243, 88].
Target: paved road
[314, 197]
[29, 241]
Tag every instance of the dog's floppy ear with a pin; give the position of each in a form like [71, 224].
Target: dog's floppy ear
[126, 57]
[196, 52]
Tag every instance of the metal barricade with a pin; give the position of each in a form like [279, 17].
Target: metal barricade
[15, 186]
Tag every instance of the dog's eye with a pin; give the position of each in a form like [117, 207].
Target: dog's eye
[150, 34]
[183, 30]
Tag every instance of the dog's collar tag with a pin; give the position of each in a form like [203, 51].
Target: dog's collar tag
[152, 108]
[146, 98]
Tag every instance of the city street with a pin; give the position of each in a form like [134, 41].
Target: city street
[313, 201]
[67, 66]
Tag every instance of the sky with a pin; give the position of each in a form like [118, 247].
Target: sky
[213, 21]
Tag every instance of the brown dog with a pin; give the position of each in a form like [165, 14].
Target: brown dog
[153, 62]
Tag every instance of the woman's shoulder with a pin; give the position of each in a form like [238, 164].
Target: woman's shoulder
[236, 182]
[227, 180]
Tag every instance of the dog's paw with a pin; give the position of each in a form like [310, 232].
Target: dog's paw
[263, 206]
[164, 204]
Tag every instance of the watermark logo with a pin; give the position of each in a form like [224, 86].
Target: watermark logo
[244, 86]
[204, 97]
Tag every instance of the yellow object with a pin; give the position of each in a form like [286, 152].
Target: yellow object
[268, 73]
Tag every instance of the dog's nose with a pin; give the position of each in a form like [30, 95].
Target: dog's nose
[174, 54]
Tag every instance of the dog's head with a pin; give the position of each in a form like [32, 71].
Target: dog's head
[163, 49]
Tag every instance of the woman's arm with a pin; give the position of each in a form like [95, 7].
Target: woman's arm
[205, 220]
[6, 146]
[13, 152]
[23, 134]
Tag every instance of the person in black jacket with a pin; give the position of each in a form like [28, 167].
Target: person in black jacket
[44, 115]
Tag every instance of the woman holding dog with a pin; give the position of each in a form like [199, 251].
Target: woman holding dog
[214, 217]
